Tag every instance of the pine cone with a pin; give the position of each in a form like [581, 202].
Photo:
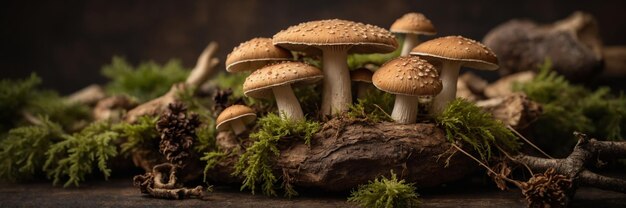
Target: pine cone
[547, 189]
[177, 130]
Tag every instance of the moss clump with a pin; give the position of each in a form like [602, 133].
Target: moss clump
[255, 164]
[22, 152]
[374, 107]
[75, 155]
[387, 193]
[464, 121]
[20, 97]
[146, 81]
[568, 108]
[140, 134]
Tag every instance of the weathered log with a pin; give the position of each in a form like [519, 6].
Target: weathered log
[346, 153]
[515, 110]
[573, 44]
[89, 95]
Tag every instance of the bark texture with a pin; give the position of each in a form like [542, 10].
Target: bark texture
[346, 153]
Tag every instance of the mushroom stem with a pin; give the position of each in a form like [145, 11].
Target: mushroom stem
[362, 89]
[410, 41]
[449, 74]
[238, 126]
[337, 94]
[288, 105]
[405, 109]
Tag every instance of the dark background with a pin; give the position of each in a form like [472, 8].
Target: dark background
[66, 42]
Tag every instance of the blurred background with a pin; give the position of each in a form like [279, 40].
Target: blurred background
[67, 42]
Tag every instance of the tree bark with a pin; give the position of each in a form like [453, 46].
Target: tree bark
[346, 153]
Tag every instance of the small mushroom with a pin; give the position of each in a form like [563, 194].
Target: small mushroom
[363, 79]
[235, 117]
[276, 80]
[254, 54]
[334, 39]
[411, 79]
[453, 52]
[411, 25]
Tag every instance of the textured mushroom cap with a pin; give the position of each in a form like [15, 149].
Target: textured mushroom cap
[232, 113]
[408, 75]
[259, 84]
[361, 75]
[413, 23]
[309, 36]
[254, 54]
[469, 52]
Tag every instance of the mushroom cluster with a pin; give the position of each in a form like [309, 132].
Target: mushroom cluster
[411, 78]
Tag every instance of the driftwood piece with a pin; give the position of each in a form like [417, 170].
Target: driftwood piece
[614, 62]
[585, 154]
[515, 110]
[503, 87]
[573, 44]
[204, 68]
[112, 108]
[346, 153]
[470, 87]
[89, 95]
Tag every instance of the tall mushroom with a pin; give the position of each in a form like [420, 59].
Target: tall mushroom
[235, 117]
[453, 52]
[409, 78]
[254, 54]
[412, 25]
[276, 79]
[335, 39]
[363, 79]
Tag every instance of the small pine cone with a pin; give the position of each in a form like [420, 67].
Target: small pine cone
[547, 189]
[177, 130]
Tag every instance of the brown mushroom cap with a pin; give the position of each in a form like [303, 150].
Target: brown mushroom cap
[232, 113]
[469, 52]
[408, 75]
[259, 84]
[413, 23]
[361, 75]
[254, 54]
[363, 38]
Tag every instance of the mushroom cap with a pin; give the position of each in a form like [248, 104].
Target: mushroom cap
[408, 75]
[259, 84]
[361, 75]
[469, 52]
[254, 54]
[309, 36]
[413, 23]
[232, 113]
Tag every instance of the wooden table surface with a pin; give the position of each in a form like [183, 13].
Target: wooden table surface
[120, 193]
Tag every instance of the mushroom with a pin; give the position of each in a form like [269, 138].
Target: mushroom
[235, 117]
[412, 25]
[453, 52]
[254, 54]
[363, 79]
[335, 39]
[276, 79]
[410, 79]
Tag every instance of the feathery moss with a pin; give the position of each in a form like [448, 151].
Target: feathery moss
[386, 193]
[255, 164]
[140, 134]
[464, 121]
[568, 107]
[146, 81]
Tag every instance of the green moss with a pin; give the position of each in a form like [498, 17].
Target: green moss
[212, 158]
[255, 164]
[568, 108]
[22, 152]
[359, 60]
[146, 81]
[464, 121]
[375, 107]
[138, 135]
[23, 96]
[76, 155]
[387, 193]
